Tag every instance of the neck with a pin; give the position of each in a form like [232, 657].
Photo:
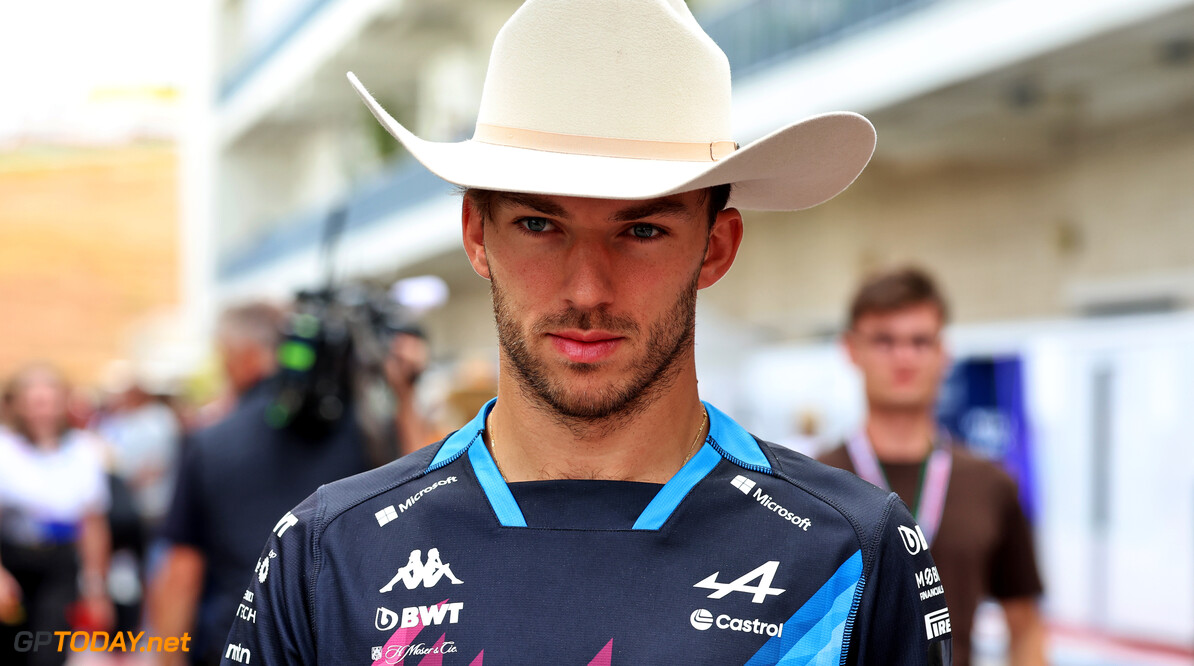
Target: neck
[901, 435]
[45, 440]
[648, 444]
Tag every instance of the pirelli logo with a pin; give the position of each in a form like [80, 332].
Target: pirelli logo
[937, 623]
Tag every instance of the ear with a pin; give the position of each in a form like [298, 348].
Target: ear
[472, 226]
[724, 239]
[849, 340]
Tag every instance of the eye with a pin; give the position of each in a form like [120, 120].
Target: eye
[534, 224]
[645, 231]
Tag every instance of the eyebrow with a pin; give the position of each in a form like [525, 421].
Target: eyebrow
[666, 206]
[535, 202]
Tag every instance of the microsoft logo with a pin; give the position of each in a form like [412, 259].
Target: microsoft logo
[386, 515]
[742, 483]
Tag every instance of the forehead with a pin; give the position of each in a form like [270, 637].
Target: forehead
[918, 316]
[684, 204]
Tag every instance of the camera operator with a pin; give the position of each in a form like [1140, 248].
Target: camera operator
[239, 475]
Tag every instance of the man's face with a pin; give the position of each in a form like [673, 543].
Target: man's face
[595, 299]
[245, 363]
[900, 355]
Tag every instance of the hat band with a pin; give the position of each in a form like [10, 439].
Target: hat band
[600, 146]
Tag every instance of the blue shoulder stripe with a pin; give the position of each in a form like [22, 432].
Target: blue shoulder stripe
[677, 488]
[814, 634]
[460, 440]
[735, 443]
[726, 440]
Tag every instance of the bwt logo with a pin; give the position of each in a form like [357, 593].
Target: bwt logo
[418, 616]
[914, 539]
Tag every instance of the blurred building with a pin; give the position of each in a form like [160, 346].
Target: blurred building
[88, 246]
[1035, 155]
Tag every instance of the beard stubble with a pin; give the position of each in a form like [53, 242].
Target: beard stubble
[669, 340]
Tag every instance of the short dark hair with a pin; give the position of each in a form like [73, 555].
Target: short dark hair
[257, 322]
[715, 198]
[19, 383]
[897, 289]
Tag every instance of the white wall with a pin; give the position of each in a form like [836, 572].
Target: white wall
[1133, 576]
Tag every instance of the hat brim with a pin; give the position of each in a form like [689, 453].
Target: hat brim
[796, 167]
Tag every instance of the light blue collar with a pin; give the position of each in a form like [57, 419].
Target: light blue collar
[726, 440]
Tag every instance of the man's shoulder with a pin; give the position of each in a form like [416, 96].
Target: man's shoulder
[247, 419]
[836, 457]
[339, 498]
[865, 506]
[980, 474]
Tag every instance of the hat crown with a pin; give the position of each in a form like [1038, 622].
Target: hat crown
[624, 69]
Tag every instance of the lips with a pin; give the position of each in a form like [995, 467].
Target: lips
[585, 346]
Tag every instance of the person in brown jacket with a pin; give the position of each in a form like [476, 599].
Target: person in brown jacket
[968, 509]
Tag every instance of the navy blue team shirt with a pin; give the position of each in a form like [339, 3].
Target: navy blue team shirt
[750, 554]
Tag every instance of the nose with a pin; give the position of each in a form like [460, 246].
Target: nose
[589, 281]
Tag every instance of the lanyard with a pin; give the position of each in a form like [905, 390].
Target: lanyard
[934, 481]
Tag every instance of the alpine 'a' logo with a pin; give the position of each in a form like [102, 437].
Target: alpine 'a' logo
[765, 574]
[416, 572]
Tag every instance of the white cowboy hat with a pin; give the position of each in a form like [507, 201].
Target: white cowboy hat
[629, 99]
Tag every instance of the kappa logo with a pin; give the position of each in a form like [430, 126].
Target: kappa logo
[937, 623]
[764, 573]
[416, 572]
[914, 539]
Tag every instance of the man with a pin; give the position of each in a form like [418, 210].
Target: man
[236, 477]
[597, 511]
[967, 507]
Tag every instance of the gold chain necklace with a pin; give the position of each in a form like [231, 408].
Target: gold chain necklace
[691, 450]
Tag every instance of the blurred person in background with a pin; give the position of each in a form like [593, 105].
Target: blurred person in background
[246, 341]
[967, 507]
[54, 540]
[240, 474]
[144, 434]
[404, 365]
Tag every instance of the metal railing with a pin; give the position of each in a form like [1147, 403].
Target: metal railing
[400, 186]
[237, 77]
[757, 33]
